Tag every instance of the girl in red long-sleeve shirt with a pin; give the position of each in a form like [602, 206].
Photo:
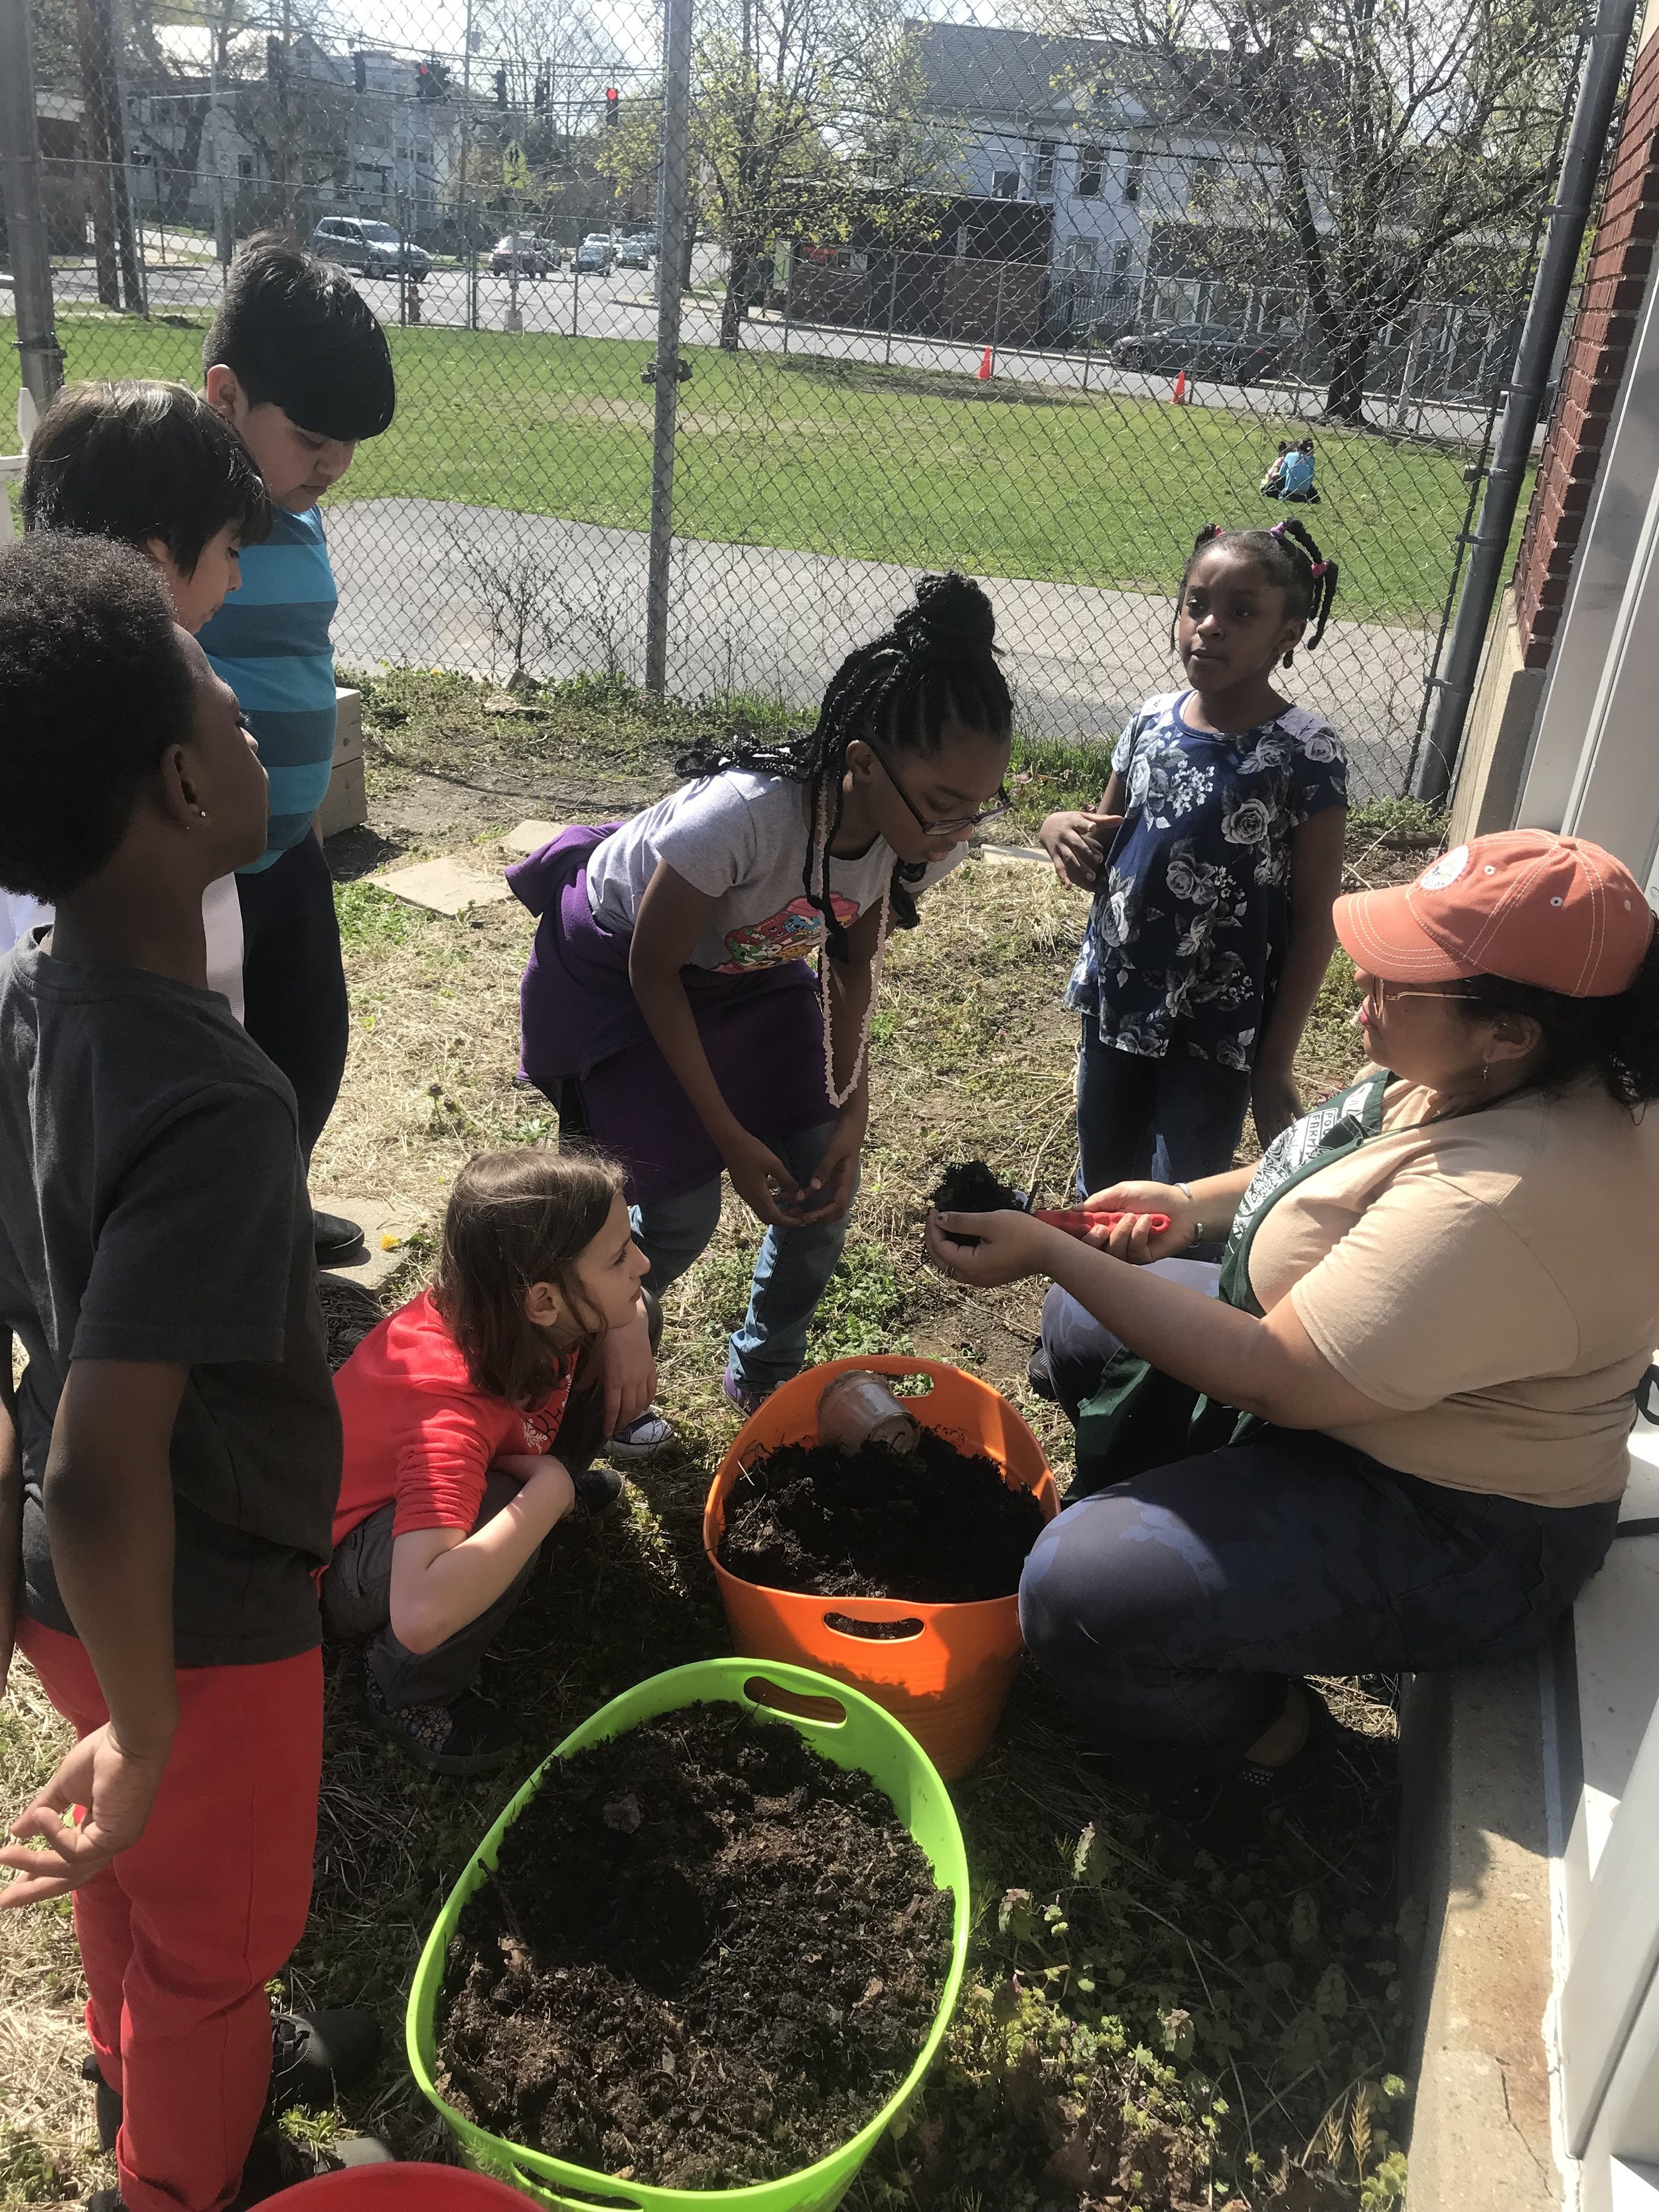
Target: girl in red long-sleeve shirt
[470, 1418]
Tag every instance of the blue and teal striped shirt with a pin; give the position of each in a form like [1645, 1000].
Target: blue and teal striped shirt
[270, 643]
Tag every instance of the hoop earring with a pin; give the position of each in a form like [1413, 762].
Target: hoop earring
[1485, 1071]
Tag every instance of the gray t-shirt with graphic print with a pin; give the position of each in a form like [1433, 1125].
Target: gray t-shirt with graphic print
[741, 839]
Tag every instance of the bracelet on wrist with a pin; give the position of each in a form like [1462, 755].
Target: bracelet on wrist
[1186, 1190]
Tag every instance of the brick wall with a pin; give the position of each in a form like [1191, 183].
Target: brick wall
[1615, 281]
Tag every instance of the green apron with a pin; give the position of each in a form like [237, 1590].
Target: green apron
[1138, 1418]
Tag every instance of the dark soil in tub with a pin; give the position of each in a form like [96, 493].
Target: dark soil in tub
[709, 1957]
[937, 1526]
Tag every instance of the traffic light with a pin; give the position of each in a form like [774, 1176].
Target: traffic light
[501, 89]
[427, 86]
[360, 71]
[613, 101]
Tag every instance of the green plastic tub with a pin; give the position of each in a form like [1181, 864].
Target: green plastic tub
[863, 1736]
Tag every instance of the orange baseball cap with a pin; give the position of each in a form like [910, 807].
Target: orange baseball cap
[1557, 911]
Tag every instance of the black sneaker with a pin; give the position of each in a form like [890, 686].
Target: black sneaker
[107, 2200]
[597, 1489]
[277, 2162]
[335, 1238]
[469, 1736]
[312, 2055]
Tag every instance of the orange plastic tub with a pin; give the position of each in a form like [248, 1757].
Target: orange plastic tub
[948, 1679]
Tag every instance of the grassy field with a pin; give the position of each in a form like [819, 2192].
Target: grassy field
[845, 458]
[1151, 2024]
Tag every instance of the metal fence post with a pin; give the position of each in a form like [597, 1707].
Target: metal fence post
[892, 307]
[39, 355]
[671, 252]
[1435, 762]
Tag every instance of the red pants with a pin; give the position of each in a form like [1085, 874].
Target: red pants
[180, 1935]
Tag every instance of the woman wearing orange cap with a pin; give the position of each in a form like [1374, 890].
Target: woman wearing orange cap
[1396, 1439]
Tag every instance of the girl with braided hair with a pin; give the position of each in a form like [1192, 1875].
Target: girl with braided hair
[1214, 857]
[669, 1007]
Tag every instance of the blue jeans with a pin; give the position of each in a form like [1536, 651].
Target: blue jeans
[791, 1268]
[1172, 1119]
[1172, 1608]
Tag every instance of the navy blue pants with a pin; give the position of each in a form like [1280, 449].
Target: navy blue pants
[1173, 1119]
[294, 986]
[1172, 1609]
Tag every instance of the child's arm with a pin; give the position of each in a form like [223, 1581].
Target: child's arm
[830, 1193]
[1074, 841]
[627, 1362]
[444, 1578]
[1316, 880]
[666, 928]
[108, 1501]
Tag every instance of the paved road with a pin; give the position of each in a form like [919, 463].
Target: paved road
[622, 305]
[418, 579]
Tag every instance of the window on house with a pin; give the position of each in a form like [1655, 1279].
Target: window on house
[1080, 255]
[1005, 184]
[1135, 171]
[1088, 160]
[245, 165]
[1042, 180]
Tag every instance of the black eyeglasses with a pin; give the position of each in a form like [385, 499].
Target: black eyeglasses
[956, 822]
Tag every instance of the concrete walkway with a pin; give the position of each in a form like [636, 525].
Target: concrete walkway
[449, 585]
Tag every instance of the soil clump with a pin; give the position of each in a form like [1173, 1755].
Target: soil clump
[707, 1957]
[970, 1186]
[937, 1526]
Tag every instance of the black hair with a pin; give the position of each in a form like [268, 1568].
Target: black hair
[936, 663]
[138, 459]
[1614, 1039]
[93, 688]
[300, 335]
[1306, 447]
[1288, 557]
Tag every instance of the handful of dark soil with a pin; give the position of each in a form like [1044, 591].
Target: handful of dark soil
[970, 1186]
[707, 1957]
[936, 1526]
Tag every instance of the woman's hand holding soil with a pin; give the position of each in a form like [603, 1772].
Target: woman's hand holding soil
[1003, 1247]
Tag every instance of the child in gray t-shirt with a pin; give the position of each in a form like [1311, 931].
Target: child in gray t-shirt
[669, 1005]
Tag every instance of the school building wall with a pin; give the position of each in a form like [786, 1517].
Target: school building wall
[1511, 684]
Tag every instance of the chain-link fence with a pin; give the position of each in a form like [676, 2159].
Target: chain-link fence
[1036, 302]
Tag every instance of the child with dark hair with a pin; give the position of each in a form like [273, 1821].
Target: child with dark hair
[170, 1458]
[296, 362]
[1292, 477]
[151, 464]
[1213, 858]
[668, 1007]
[471, 1417]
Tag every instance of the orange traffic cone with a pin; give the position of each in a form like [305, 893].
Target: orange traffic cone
[982, 375]
[1178, 396]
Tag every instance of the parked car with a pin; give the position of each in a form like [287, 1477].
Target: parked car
[596, 252]
[1201, 349]
[532, 257]
[635, 253]
[373, 249]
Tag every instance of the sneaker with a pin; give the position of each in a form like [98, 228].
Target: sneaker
[646, 1434]
[597, 1489]
[107, 2200]
[312, 2055]
[335, 1238]
[740, 1395]
[277, 2163]
[469, 1736]
[1040, 1376]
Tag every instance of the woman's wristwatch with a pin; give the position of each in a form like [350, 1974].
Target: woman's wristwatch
[1186, 1190]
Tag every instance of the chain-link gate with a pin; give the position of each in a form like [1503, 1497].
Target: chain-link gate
[1037, 302]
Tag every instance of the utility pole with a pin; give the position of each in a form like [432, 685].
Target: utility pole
[1434, 765]
[672, 193]
[39, 358]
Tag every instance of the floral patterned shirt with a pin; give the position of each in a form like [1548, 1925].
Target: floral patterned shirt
[1191, 916]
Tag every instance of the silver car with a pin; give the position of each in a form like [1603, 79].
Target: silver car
[373, 249]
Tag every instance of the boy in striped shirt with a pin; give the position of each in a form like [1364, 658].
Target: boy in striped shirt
[297, 363]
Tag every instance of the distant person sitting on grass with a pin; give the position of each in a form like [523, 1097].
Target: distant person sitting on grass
[152, 464]
[170, 1458]
[1291, 478]
[296, 362]
[471, 1419]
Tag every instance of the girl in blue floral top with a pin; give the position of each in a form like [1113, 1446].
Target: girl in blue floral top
[1214, 858]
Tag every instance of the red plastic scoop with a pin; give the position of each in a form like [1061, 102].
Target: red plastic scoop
[1077, 1221]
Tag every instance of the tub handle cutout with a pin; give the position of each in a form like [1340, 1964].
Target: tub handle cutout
[903, 1628]
[822, 1712]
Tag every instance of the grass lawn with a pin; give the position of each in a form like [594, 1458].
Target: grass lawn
[1150, 2024]
[845, 458]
